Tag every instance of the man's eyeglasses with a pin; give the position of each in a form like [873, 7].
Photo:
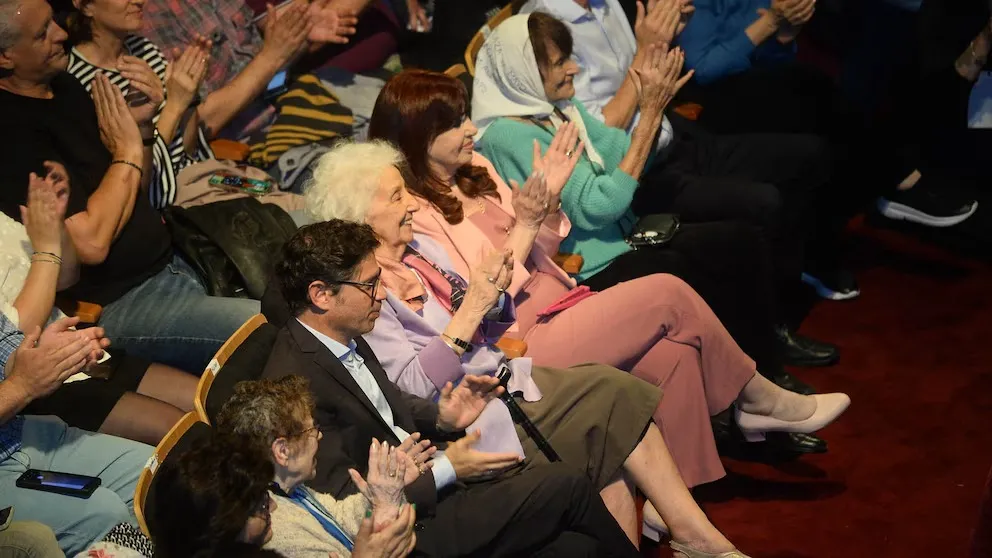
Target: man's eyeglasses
[264, 508]
[372, 285]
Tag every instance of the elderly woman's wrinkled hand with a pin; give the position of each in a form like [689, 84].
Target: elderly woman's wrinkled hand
[657, 81]
[559, 161]
[386, 480]
[532, 201]
[488, 280]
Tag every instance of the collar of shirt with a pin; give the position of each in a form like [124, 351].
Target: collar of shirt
[343, 352]
[569, 10]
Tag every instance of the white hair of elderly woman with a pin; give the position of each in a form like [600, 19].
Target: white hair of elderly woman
[346, 180]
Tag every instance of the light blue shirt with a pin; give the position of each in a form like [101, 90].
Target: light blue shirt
[444, 472]
[604, 47]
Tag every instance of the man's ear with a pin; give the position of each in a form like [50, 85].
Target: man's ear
[6, 63]
[320, 295]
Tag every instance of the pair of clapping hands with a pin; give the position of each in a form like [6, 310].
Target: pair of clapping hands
[389, 532]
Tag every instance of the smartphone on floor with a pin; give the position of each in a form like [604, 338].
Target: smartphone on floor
[68, 484]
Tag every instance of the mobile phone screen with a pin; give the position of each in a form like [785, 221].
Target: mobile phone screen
[278, 81]
[61, 480]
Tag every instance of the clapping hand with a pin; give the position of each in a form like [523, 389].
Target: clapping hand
[796, 12]
[147, 92]
[420, 454]
[657, 80]
[286, 31]
[488, 280]
[470, 463]
[394, 540]
[560, 159]
[187, 71]
[459, 406]
[386, 479]
[657, 23]
[532, 201]
[118, 128]
[45, 211]
[418, 17]
[331, 24]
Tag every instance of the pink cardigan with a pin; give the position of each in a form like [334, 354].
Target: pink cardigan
[466, 244]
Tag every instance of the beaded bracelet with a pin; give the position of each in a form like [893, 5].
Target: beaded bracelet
[141, 171]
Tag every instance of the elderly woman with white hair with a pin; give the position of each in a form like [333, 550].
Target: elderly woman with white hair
[435, 327]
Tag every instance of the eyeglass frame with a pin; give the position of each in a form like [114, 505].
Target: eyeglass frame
[361, 285]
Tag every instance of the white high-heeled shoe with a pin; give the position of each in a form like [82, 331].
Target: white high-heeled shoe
[829, 406]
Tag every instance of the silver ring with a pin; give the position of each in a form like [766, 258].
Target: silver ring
[491, 280]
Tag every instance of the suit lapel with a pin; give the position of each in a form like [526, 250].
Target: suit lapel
[323, 357]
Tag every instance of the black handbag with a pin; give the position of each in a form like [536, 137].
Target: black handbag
[654, 230]
[232, 244]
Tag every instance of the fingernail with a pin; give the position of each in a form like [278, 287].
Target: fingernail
[368, 514]
[414, 507]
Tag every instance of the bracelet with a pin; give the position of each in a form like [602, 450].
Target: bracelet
[141, 171]
[46, 257]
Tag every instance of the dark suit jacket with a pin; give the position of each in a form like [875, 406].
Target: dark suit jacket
[347, 418]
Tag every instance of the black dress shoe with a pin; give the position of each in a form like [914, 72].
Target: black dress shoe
[795, 442]
[799, 350]
[789, 382]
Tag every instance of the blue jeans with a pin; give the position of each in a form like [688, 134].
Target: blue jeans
[170, 319]
[50, 444]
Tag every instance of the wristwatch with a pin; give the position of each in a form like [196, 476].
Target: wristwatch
[461, 343]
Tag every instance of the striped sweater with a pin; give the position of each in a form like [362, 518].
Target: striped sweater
[168, 159]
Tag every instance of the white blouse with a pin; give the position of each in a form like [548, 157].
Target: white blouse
[15, 262]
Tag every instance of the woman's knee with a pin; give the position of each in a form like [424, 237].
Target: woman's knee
[29, 539]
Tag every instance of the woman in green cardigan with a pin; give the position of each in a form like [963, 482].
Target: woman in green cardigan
[727, 263]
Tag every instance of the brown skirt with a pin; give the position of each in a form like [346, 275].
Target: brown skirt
[592, 415]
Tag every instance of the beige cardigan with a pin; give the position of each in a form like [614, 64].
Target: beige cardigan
[297, 533]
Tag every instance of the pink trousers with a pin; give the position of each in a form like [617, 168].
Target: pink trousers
[659, 329]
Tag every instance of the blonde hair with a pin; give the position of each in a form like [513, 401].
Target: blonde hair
[346, 180]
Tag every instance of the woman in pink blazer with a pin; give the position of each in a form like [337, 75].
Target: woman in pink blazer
[656, 326]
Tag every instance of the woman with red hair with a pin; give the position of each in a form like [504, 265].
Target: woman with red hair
[655, 326]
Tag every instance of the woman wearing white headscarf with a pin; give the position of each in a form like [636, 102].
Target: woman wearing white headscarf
[516, 102]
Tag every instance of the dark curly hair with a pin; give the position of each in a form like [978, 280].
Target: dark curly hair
[77, 25]
[413, 109]
[329, 251]
[207, 495]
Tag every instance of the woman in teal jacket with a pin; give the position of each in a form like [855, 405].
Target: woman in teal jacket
[725, 262]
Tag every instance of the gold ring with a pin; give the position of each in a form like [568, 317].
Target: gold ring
[568, 154]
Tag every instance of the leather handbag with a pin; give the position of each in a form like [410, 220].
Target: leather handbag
[232, 244]
[654, 230]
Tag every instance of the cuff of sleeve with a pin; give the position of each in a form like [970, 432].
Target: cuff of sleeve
[627, 185]
[440, 363]
[444, 472]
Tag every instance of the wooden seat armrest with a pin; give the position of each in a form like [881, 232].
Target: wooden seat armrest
[229, 149]
[689, 111]
[512, 348]
[570, 263]
[87, 312]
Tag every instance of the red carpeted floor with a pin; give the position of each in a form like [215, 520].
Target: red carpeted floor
[908, 462]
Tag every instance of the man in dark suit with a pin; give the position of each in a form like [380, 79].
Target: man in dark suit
[468, 502]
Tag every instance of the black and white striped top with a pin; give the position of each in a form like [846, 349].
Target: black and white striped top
[167, 160]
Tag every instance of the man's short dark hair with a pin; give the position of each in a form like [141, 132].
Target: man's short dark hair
[330, 251]
[206, 496]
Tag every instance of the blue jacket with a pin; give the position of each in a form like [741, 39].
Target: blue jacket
[716, 45]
